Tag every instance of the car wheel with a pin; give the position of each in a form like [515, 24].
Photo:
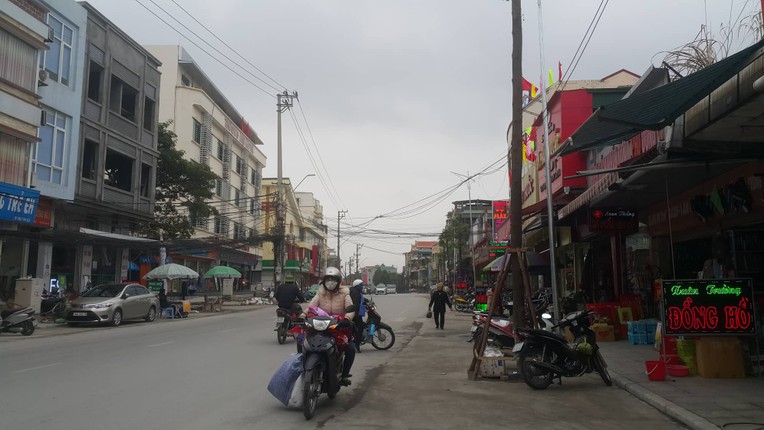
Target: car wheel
[116, 319]
[151, 316]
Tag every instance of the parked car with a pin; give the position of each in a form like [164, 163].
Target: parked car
[311, 292]
[112, 304]
[381, 289]
[391, 289]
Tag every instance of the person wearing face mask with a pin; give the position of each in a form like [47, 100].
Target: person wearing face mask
[335, 299]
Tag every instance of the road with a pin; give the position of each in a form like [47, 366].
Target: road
[212, 372]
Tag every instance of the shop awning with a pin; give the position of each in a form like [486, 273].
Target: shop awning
[536, 263]
[656, 108]
[116, 237]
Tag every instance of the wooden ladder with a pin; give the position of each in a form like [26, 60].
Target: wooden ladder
[473, 373]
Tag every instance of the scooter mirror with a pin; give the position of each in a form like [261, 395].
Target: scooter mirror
[546, 316]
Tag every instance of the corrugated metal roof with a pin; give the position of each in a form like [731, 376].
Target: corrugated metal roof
[656, 108]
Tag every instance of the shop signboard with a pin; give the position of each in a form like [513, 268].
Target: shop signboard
[708, 306]
[613, 220]
[18, 203]
[156, 285]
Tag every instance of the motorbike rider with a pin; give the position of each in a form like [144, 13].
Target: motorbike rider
[356, 294]
[286, 294]
[440, 300]
[335, 299]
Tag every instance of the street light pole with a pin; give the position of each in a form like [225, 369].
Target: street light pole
[301, 180]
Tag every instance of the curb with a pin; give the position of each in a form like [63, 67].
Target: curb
[690, 419]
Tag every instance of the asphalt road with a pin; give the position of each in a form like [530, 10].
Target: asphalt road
[212, 372]
[202, 373]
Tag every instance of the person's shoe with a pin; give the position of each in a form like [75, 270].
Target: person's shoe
[345, 381]
[357, 348]
[437, 327]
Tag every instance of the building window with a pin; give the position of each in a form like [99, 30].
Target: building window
[197, 131]
[253, 206]
[122, 98]
[148, 114]
[218, 187]
[221, 225]
[19, 65]
[90, 160]
[49, 155]
[236, 197]
[238, 231]
[95, 79]
[239, 165]
[145, 179]
[118, 172]
[58, 59]
[221, 149]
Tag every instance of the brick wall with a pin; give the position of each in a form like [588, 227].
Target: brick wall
[32, 7]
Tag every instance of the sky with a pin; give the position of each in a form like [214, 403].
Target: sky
[397, 98]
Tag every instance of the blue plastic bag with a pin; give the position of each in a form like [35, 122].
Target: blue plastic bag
[283, 380]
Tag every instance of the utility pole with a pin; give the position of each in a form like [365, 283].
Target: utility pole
[340, 215]
[468, 178]
[515, 156]
[284, 101]
[357, 254]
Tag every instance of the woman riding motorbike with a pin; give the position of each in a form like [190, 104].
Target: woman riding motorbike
[334, 299]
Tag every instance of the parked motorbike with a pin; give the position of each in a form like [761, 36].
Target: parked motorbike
[543, 355]
[379, 334]
[501, 330]
[324, 344]
[285, 322]
[464, 304]
[17, 321]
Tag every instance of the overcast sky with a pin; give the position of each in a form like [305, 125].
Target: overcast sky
[400, 93]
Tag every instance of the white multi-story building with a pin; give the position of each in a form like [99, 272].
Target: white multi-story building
[210, 130]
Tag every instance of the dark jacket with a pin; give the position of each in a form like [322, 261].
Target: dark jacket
[286, 294]
[440, 300]
[355, 296]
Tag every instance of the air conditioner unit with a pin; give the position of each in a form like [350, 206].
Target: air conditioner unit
[51, 35]
[42, 77]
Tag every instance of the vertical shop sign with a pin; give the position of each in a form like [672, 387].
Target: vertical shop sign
[708, 306]
[499, 216]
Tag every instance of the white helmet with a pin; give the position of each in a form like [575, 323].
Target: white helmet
[357, 282]
[332, 274]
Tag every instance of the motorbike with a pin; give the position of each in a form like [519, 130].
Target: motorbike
[465, 302]
[325, 341]
[379, 334]
[285, 322]
[543, 355]
[501, 330]
[18, 321]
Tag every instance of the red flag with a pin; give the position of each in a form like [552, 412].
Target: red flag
[245, 127]
[559, 71]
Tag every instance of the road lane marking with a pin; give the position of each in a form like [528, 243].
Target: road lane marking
[38, 367]
[399, 319]
[161, 344]
[229, 330]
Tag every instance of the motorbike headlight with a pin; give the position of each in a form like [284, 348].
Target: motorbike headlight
[546, 316]
[321, 325]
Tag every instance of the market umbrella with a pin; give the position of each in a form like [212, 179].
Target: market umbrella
[171, 271]
[222, 272]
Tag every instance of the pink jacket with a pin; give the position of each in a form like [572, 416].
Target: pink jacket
[333, 303]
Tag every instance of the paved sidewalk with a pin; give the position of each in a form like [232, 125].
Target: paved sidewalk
[697, 402]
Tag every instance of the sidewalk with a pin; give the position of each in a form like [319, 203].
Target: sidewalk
[426, 386]
[697, 402]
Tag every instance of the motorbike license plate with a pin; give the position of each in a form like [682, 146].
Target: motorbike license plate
[279, 319]
[80, 314]
[473, 329]
[518, 347]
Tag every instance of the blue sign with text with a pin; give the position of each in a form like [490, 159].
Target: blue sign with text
[18, 203]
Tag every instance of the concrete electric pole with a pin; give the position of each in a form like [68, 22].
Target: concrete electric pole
[284, 102]
[340, 215]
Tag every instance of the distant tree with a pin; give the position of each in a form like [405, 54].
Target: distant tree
[381, 277]
[180, 183]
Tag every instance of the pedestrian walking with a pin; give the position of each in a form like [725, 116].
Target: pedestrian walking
[438, 303]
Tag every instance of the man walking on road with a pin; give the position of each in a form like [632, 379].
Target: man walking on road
[440, 300]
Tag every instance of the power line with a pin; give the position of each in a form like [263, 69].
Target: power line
[205, 51]
[587, 38]
[283, 87]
